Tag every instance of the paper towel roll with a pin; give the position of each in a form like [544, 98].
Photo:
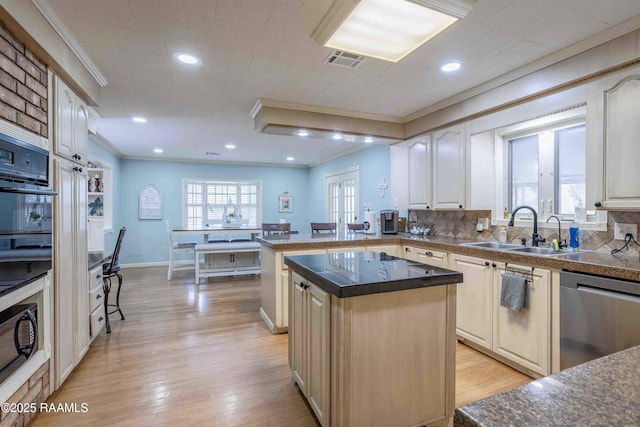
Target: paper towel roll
[370, 217]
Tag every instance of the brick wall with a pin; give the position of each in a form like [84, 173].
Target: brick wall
[23, 85]
[34, 391]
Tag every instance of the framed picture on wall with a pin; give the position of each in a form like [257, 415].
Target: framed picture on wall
[285, 204]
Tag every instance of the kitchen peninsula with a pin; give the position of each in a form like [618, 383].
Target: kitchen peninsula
[372, 338]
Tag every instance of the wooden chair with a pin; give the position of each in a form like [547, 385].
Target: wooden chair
[317, 227]
[352, 228]
[177, 247]
[109, 271]
[277, 228]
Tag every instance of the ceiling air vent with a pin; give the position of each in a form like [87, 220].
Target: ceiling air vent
[344, 59]
[211, 153]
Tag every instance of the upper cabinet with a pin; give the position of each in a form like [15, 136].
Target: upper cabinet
[449, 168]
[617, 143]
[70, 121]
[420, 183]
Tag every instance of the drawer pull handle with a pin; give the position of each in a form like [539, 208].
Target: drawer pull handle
[100, 319]
[98, 296]
[428, 253]
[98, 276]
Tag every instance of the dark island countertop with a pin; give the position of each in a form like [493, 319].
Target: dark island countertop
[603, 392]
[349, 274]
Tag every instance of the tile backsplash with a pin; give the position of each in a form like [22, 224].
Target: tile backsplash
[463, 224]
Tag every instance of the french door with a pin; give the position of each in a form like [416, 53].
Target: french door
[341, 198]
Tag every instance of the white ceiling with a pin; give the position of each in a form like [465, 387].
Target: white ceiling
[262, 49]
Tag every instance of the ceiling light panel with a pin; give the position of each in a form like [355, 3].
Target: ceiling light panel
[389, 30]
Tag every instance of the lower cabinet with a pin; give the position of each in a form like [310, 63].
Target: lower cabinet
[369, 360]
[522, 337]
[96, 302]
[309, 332]
[426, 256]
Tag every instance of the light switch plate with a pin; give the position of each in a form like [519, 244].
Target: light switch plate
[620, 230]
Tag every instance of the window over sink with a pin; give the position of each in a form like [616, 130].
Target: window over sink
[547, 169]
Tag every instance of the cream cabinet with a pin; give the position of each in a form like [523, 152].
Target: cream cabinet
[309, 332]
[420, 174]
[392, 250]
[449, 168]
[70, 265]
[426, 256]
[274, 286]
[70, 123]
[474, 299]
[522, 337]
[616, 150]
[525, 336]
[97, 316]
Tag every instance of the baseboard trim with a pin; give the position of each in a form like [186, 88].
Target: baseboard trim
[159, 264]
[270, 325]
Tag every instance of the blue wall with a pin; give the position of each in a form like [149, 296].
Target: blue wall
[146, 240]
[374, 164]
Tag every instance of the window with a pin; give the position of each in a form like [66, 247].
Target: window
[205, 201]
[342, 198]
[547, 170]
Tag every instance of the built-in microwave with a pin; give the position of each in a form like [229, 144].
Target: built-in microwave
[18, 337]
[25, 213]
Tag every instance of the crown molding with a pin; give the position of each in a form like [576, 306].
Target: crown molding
[65, 34]
[262, 102]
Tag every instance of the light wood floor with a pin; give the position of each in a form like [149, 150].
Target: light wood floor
[201, 355]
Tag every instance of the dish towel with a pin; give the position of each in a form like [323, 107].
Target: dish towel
[513, 294]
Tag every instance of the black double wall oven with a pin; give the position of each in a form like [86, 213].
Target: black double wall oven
[25, 214]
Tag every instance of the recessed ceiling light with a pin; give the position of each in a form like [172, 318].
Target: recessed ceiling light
[158, 150]
[229, 146]
[303, 132]
[187, 58]
[451, 66]
[290, 159]
[337, 136]
[139, 119]
[368, 139]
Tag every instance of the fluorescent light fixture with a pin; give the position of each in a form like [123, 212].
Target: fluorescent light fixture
[158, 150]
[337, 136]
[290, 159]
[451, 66]
[368, 139]
[384, 29]
[229, 146]
[139, 119]
[303, 132]
[187, 58]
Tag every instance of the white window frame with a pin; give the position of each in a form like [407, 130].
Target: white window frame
[596, 220]
[238, 183]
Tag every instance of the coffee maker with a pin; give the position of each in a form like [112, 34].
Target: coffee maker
[389, 221]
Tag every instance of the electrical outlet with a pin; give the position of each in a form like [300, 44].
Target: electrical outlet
[620, 230]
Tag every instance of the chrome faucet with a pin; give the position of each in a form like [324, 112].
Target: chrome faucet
[536, 237]
[560, 244]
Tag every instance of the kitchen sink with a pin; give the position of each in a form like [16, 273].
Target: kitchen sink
[493, 245]
[530, 250]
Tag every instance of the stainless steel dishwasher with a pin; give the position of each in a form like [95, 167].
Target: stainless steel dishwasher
[598, 316]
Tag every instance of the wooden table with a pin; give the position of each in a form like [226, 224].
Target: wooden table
[216, 230]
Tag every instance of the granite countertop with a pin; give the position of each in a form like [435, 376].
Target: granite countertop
[349, 274]
[601, 263]
[98, 258]
[605, 391]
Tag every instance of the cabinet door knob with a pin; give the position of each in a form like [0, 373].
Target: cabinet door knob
[460, 206]
[598, 204]
[428, 253]
[98, 296]
[100, 319]
[487, 263]
[428, 207]
[494, 265]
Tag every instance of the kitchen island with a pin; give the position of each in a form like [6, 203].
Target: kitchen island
[372, 338]
[601, 392]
